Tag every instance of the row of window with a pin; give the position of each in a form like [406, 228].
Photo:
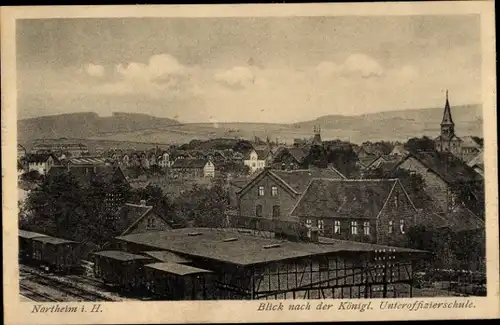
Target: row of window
[354, 226]
[274, 191]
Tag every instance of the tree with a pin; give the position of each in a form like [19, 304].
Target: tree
[242, 146]
[55, 205]
[31, 176]
[202, 206]
[317, 157]
[419, 144]
[61, 207]
[383, 147]
[343, 158]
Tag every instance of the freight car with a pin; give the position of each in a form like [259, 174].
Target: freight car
[174, 281]
[121, 269]
[26, 245]
[56, 254]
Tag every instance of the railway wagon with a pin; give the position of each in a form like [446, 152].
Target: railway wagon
[26, 245]
[174, 281]
[121, 269]
[56, 254]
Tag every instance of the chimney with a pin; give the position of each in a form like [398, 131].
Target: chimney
[143, 203]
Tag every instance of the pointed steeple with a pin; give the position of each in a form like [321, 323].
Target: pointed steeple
[447, 125]
[447, 120]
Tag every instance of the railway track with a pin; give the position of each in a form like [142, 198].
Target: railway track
[34, 295]
[66, 288]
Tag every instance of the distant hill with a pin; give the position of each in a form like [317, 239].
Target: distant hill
[86, 125]
[399, 125]
[393, 125]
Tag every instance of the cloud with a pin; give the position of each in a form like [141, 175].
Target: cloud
[94, 70]
[355, 66]
[160, 66]
[361, 65]
[245, 92]
[238, 76]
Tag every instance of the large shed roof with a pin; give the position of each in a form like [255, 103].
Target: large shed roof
[241, 249]
[166, 256]
[177, 269]
[121, 256]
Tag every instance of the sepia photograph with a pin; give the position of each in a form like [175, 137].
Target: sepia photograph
[317, 159]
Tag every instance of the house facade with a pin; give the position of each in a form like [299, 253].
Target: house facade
[376, 211]
[444, 176]
[41, 163]
[193, 168]
[255, 162]
[290, 158]
[272, 194]
[137, 218]
[164, 160]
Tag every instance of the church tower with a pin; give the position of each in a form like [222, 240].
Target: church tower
[317, 135]
[448, 141]
[447, 125]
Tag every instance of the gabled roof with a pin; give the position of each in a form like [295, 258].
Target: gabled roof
[38, 157]
[459, 219]
[399, 149]
[295, 181]
[448, 167]
[478, 160]
[366, 161]
[469, 142]
[299, 154]
[129, 215]
[345, 198]
[386, 163]
[190, 163]
[263, 153]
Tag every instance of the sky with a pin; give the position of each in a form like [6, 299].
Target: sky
[263, 69]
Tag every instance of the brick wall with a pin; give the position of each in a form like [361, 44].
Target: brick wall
[250, 199]
[397, 209]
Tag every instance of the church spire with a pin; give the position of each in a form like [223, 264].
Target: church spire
[447, 125]
[447, 120]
